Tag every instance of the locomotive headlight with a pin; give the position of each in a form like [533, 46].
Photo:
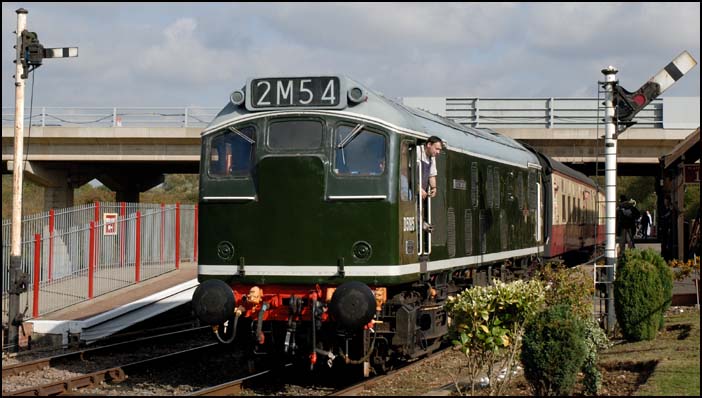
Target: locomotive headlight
[237, 97]
[225, 250]
[356, 95]
[362, 250]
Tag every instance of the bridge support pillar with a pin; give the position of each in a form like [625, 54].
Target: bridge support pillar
[126, 195]
[58, 197]
[58, 183]
[129, 184]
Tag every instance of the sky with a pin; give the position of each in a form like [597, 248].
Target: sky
[195, 55]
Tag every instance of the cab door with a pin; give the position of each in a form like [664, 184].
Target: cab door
[407, 189]
[423, 207]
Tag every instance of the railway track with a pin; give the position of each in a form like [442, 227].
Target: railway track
[88, 367]
[116, 374]
[358, 388]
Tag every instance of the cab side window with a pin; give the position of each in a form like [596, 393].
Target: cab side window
[406, 172]
[232, 152]
[358, 151]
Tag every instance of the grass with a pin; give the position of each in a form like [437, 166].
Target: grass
[676, 352]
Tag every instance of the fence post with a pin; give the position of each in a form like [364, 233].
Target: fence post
[51, 243]
[97, 222]
[177, 236]
[122, 214]
[163, 231]
[37, 273]
[195, 239]
[137, 247]
[91, 260]
[476, 116]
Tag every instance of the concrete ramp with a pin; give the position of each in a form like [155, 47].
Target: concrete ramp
[107, 323]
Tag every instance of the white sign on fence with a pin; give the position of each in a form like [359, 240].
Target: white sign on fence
[110, 223]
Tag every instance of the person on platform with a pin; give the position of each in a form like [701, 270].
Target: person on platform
[627, 214]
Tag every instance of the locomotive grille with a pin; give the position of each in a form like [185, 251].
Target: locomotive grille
[483, 232]
[451, 232]
[503, 229]
[468, 231]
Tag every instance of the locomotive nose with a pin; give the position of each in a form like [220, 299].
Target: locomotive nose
[213, 302]
[352, 305]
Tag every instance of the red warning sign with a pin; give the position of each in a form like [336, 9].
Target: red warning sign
[110, 223]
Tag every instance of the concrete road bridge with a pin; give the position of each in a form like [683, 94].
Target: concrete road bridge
[130, 149]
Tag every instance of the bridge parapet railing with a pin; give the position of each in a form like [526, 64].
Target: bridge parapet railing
[556, 112]
[71, 256]
[197, 117]
[540, 112]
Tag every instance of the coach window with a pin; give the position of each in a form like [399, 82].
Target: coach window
[231, 153]
[358, 151]
[295, 134]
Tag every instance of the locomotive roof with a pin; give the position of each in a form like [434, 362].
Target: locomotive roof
[377, 108]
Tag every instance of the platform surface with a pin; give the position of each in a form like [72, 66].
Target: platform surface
[117, 298]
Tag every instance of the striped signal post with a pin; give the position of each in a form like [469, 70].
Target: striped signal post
[610, 193]
[620, 108]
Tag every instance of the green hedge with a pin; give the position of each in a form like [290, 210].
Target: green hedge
[553, 351]
[639, 297]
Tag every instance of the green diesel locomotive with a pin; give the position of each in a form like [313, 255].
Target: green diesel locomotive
[314, 239]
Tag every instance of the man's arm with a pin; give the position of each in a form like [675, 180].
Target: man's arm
[432, 186]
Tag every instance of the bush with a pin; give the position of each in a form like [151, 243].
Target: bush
[664, 273]
[638, 298]
[574, 288]
[666, 276]
[595, 341]
[487, 324]
[568, 286]
[553, 351]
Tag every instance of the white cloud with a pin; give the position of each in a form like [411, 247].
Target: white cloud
[196, 54]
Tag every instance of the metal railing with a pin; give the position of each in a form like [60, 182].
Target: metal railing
[113, 117]
[74, 254]
[473, 111]
[540, 112]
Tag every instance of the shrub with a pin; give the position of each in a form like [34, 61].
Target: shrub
[664, 273]
[568, 286]
[638, 298]
[595, 341]
[553, 351]
[574, 288]
[487, 324]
